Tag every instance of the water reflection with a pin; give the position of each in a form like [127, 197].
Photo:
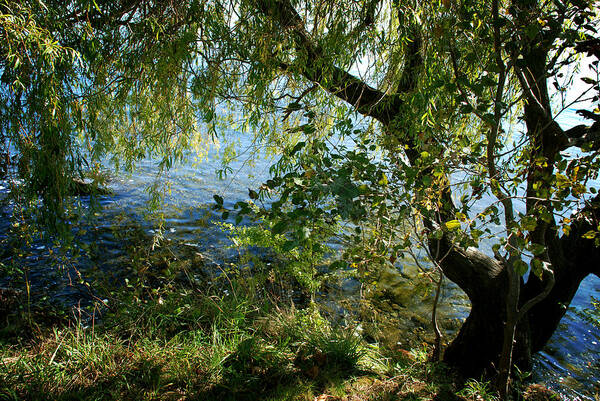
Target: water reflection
[569, 363]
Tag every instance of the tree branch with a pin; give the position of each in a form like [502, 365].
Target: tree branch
[366, 99]
[413, 62]
[523, 310]
[583, 135]
[472, 270]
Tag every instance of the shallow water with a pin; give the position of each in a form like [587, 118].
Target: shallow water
[569, 364]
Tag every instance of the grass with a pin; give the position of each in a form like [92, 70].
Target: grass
[179, 343]
[173, 335]
[169, 336]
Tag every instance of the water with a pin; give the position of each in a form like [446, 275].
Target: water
[569, 364]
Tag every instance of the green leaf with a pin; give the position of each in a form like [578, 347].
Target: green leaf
[278, 227]
[562, 181]
[289, 245]
[537, 267]
[218, 199]
[363, 189]
[437, 234]
[297, 148]
[476, 234]
[520, 267]
[528, 223]
[537, 249]
[337, 265]
[546, 215]
[588, 80]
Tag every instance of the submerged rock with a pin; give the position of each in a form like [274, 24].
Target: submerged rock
[83, 188]
[539, 392]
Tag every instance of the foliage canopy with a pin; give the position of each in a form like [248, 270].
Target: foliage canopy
[461, 137]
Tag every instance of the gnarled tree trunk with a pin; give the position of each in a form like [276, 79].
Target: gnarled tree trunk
[476, 349]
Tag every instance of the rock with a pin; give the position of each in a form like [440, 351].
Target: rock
[539, 392]
[82, 188]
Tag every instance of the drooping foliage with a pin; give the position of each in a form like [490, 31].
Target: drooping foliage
[462, 136]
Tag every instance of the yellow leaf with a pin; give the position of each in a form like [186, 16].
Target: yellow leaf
[383, 181]
[590, 235]
[461, 216]
[452, 224]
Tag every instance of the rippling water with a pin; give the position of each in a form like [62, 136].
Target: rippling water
[569, 364]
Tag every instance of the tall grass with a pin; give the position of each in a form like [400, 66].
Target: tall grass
[184, 344]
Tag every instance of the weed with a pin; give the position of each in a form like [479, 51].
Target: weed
[478, 391]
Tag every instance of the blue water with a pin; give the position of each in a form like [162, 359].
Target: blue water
[569, 364]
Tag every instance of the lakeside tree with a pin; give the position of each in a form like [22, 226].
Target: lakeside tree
[462, 98]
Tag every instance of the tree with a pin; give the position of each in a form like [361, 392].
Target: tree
[458, 96]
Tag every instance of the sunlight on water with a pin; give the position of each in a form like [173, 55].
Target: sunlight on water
[569, 364]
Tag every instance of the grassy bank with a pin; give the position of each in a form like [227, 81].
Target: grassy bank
[172, 333]
[189, 344]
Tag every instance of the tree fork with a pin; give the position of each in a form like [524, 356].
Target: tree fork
[477, 347]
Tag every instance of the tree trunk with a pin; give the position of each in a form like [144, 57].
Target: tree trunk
[479, 340]
[476, 349]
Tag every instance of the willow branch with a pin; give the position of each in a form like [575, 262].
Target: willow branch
[347, 87]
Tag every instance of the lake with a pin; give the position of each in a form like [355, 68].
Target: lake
[570, 363]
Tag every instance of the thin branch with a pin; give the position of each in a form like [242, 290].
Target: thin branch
[297, 99]
[541, 296]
